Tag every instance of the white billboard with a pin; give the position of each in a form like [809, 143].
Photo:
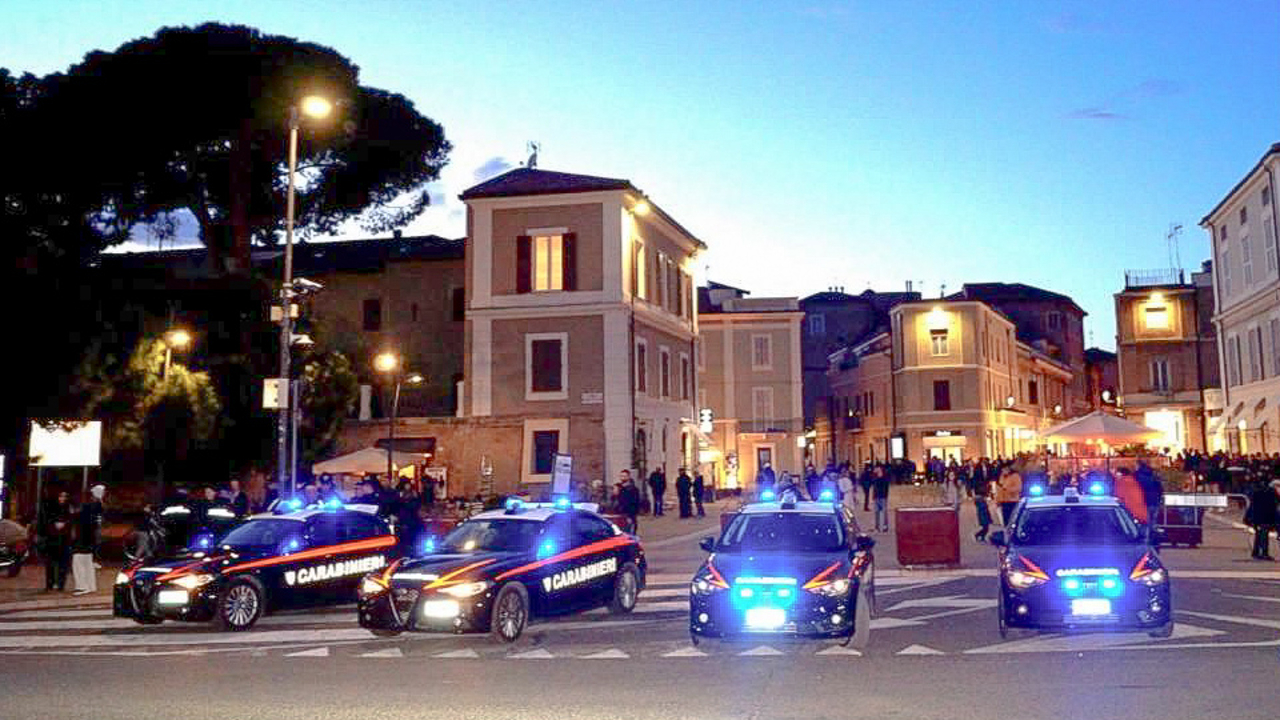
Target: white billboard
[66, 443]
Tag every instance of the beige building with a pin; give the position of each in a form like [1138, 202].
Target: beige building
[948, 379]
[1168, 358]
[1242, 231]
[750, 379]
[580, 323]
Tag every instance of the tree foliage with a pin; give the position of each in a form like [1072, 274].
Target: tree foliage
[331, 390]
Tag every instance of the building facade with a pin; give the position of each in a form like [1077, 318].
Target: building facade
[750, 379]
[580, 322]
[1168, 356]
[949, 379]
[1242, 233]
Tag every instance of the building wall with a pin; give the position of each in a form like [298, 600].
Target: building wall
[585, 220]
[844, 321]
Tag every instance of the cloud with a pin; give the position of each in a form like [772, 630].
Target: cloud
[1124, 104]
[492, 167]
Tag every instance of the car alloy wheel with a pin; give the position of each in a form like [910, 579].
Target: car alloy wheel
[510, 614]
[626, 591]
[241, 607]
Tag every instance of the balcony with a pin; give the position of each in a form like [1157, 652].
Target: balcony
[1152, 278]
[781, 425]
[851, 422]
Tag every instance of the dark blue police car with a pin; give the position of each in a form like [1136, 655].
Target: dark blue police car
[789, 568]
[499, 568]
[1080, 562]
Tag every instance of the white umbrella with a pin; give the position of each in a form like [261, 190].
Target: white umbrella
[369, 460]
[1101, 426]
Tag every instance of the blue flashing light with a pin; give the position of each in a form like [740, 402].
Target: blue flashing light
[429, 545]
[827, 496]
[513, 503]
[1097, 488]
[1036, 490]
[562, 503]
[768, 495]
[294, 504]
[292, 544]
[203, 541]
[546, 549]
[783, 592]
[1110, 586]
[746, 592]
[1072, 585]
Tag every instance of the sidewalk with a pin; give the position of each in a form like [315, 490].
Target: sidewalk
[28, 588]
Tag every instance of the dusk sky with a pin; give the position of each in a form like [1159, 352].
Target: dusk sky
[811, 144]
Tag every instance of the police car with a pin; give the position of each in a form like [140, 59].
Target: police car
[1080, 562]
[298, 558]
[786, 568]
[499, 568]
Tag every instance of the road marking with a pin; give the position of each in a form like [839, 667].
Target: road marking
[888, 623]
[467, 653]
[945, 601]
[1239, 620]
[114, 623]
[51, 603]
[685, 652]
[1259, 598]
[147, 637]
[388, 653]
[710, 529]
[42, 614]
[680, 592]
[919, 650]
[610, 654]
[1091, 641]
[317, 652]
[667, 579]
[760, 651]
[535, 654]
[839, 650]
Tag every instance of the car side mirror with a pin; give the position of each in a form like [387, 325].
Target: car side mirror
[707, 543]
[864, 543]
[997, 538]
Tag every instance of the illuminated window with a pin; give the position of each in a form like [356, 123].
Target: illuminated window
[1156, 317]
[938, 339]
[548, 262]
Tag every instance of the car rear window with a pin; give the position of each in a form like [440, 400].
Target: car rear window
[783, 531]
[1078, 525]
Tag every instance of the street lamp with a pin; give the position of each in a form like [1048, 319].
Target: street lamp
[179, 339]
[317, 107]
[388, 363]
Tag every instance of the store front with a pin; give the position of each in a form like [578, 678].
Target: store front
[946, 444]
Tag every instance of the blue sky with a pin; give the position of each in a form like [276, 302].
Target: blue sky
[812, 144]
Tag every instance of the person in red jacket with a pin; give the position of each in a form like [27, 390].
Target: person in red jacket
[1129, 492]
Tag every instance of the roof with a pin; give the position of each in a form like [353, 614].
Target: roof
[532, 181]
[1093, 355]
[995, 292]
[804, 506]
[1275, 148]
[538, 514]
[1083, 499]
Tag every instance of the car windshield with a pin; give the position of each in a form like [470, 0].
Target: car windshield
[782, 531]
[1077, 525]
[500, 535]
[265, 533]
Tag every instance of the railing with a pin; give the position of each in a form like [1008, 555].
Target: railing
[1147, 278]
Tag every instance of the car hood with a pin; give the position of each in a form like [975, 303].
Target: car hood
[801, 566]
[200, 562]
[1053, 559]
[468, 566]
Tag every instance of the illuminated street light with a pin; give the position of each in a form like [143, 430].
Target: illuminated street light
[388, 363]
[315, 106]
[176, 338]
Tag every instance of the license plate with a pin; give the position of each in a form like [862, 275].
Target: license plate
[1090, 606]
[173, 597]
[766, 617]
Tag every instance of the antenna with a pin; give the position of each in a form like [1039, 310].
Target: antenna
[1171, 238]
[942, 291]
[533, 147]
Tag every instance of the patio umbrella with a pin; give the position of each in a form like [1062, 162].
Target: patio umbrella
[369, 460]
[1101, 426]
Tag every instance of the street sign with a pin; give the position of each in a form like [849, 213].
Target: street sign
[705, 420]
[66, 443]
[561, 471]
[275, 393]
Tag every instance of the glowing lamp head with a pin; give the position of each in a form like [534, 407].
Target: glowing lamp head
[314, 106]
[178, 338]
[641, 207]
[414, 378]
[386, 362]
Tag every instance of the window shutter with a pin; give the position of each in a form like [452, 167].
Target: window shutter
[569, 260]
[524, 264]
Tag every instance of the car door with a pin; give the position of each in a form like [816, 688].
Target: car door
[310, 580]
[357, 552]
[600, 564]
[550, 584]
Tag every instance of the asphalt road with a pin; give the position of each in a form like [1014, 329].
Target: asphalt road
[934, 653]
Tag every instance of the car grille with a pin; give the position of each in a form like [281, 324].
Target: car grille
[404, 599]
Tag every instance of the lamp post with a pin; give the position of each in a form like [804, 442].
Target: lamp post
[179, 339]
[316, 107]
[388, 363]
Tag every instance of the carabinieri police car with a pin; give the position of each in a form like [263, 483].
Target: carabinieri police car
[501, 567]
[786, 568]
[299, 558]
[1080, 562]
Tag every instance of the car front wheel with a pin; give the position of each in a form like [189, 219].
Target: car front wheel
[510, 613]
[626, 590]
[240, 606]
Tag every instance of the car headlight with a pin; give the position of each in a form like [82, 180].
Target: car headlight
[371, 587]
[465, 590]
[193, 581]
[1148, 571]
[122, 579]
[705, 585]
[1022, 580]
[835, 588]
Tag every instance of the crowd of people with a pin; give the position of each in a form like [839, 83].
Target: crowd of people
[67, 536]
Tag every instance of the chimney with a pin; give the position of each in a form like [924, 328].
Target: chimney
[908, 286]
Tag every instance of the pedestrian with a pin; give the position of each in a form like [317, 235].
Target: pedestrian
[864, 480]
[684, 493]
[1152, 496]
[270, 496]
[409, 525]
[880, 492]
[765, 479]
[847, 495]
[238, 499]
[699, 492]
[1008, 492]
[657, 488]
[86, 541]
[1129, 492]
[329, 493]
[1263, 516]
[629, 501]
[812, 482]
[951, 488]
[981, 490]
[55, 531]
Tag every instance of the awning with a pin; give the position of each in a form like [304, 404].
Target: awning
[370, 461]
[1101, 426]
